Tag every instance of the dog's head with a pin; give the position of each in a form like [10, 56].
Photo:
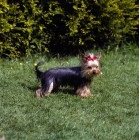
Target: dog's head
[91, 65]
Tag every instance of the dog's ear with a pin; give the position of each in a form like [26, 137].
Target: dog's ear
[82, 56]
[99, 55]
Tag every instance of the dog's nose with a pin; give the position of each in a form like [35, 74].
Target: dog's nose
[94, 71]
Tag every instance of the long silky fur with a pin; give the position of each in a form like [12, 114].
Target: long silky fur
[74, 77]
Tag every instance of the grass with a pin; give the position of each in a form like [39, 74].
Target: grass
[111, 114]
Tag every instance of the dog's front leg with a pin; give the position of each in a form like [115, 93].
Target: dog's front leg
[84, 92]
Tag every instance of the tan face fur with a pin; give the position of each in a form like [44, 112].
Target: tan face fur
[91, 68]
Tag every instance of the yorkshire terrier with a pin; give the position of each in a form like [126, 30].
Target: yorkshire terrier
[80, 77]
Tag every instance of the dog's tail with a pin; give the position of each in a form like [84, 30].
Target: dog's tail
[38, 72]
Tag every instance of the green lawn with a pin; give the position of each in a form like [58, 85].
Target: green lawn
[111, 114]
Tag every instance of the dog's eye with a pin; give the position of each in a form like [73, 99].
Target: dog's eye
[89, 67]
[96, 66]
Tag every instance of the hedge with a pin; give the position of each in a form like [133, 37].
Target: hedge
[28, 27]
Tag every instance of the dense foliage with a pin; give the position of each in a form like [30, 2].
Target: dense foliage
[27, 27]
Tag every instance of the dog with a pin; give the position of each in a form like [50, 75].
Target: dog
[79, 77]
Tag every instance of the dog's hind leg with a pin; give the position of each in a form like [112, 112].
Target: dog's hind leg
[46, 89]
[38, 93]
[50, 89]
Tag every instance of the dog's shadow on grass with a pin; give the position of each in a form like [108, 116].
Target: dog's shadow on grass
[60, 90]
[66, 91]
[29, 87]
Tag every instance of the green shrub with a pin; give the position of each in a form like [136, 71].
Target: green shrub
[27, 27]
[21, 29]
[118, 19]
[101, 21]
